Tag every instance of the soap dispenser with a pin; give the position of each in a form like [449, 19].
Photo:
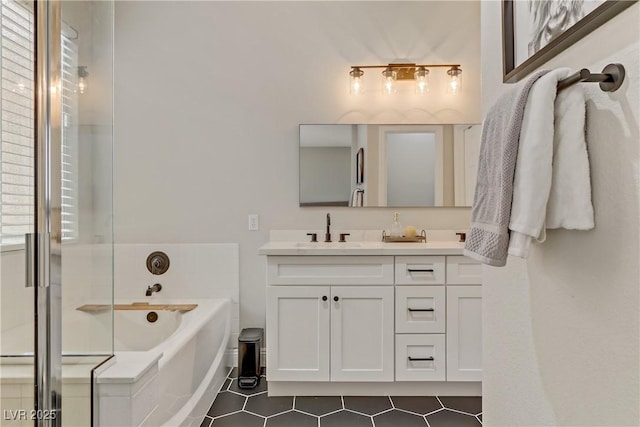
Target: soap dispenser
[396, 227]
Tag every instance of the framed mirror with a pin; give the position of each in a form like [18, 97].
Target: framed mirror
[406, 165]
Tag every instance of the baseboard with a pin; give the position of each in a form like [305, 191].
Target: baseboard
[232, 357]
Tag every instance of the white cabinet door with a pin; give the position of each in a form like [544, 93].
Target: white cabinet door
[298, 329]
[464, 333]
[362, 333]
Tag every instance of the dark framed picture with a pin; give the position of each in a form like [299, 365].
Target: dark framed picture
[360, 166]
[535, 31]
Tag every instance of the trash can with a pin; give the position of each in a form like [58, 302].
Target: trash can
[249, 344]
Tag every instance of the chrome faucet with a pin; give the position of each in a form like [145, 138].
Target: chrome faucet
[327, 236]
[151, 289]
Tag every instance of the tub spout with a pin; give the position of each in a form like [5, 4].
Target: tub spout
[151, 289]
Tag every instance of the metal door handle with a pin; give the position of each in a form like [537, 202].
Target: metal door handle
[30, 272]
[420, 359]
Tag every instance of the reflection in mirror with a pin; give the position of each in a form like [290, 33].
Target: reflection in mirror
[388, 165]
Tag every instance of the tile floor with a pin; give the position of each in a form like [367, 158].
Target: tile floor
[235, 407]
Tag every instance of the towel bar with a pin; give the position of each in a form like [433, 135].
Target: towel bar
[610, 79]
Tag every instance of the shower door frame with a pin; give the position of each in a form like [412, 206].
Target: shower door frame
[45, 262]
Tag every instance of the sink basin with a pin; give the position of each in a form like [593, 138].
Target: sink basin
[328, 245]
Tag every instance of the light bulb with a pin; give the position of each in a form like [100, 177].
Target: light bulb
[82, 78]
[422, 80]
[356, 86]
[454, 80]
[82, 84]
[389, 82]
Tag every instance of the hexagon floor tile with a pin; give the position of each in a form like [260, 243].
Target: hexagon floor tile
[318, 405]
[369, 405]
[446, 418]
[344, 419]
[226, 403]
[397, 418]
[468, 404]
[268, 406]
[240, 419]
[420, 405]
[236, 407]
[292, 419]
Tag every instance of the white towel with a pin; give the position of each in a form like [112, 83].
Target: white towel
[551, 182]
[533, 172]
[569, 205]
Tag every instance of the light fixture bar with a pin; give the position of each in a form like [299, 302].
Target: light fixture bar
[397, 65]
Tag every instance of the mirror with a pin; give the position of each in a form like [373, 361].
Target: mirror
[388, 165]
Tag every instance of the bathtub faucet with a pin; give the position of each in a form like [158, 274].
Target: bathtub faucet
[151, 289]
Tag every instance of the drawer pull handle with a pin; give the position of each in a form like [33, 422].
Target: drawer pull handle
[421, 309]
[421, 359]
[420, 270]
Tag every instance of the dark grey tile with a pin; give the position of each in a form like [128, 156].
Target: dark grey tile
[261, 387]
[206, 422]
[479, 417]
[292, 419]
[344, 419]
[468, 404]
[369, 405]
[225, 385]
[233, 374]
[267, 406]
[418, 404]
[318, 405]
[226, 403]
[241, 419]
[397, 418]
[446, 418]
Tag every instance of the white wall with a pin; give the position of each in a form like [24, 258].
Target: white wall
[209, 96]
[561, 329]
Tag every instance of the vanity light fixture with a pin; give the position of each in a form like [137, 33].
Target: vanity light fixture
[393, 73]
[82, 78]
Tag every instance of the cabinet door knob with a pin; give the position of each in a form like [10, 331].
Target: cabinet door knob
[336, 299]
[324, 298]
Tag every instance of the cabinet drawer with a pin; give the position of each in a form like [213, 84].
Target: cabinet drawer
[420, 357]
[330, 270]
[463, 271]
[420, 270]
[420, 309]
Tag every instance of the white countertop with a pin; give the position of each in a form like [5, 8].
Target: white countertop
[361, 248]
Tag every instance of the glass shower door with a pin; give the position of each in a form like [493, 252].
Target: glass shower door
[56, 131]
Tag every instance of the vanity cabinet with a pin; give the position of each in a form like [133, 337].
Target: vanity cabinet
[323, 330]
[409, 320]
